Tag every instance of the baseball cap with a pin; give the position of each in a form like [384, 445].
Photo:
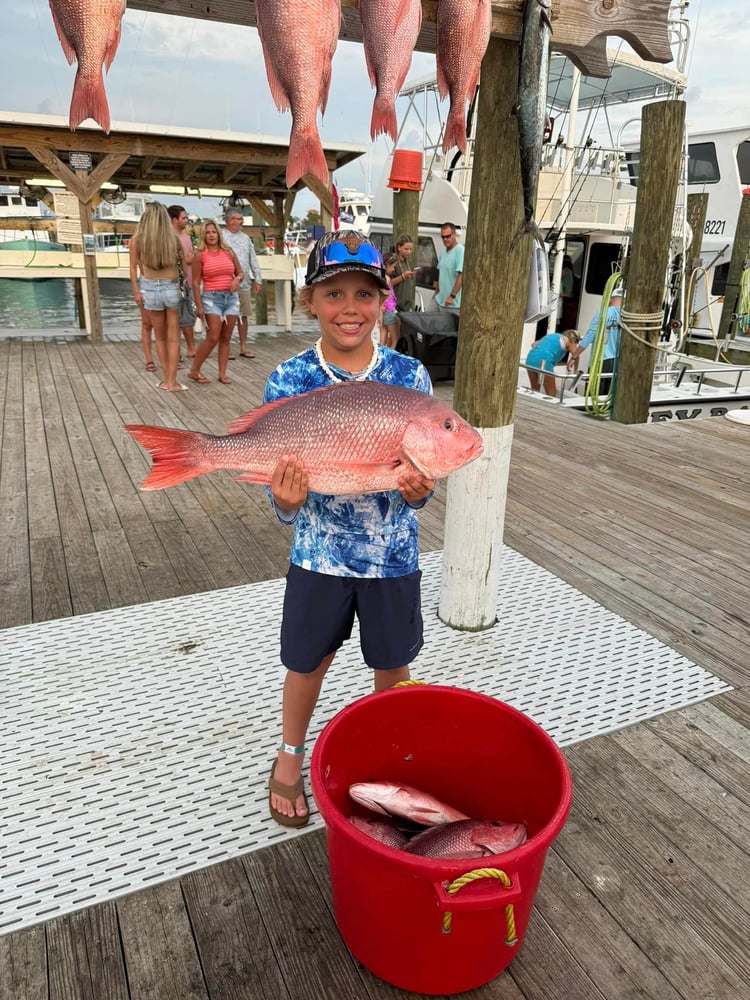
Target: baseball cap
[344, 250]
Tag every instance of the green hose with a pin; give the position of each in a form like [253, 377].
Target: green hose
[743, 303]
[598, 407]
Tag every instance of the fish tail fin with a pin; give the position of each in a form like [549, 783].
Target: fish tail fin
[527, 227]
[455, 130]
[177, 455]
[306, 156]
[383, 118]
[89, 101]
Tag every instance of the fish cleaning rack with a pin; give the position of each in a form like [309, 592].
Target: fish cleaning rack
[135, 744]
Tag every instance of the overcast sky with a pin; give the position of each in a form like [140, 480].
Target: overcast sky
[185, 72]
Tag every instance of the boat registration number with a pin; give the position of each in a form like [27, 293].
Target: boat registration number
[714, 227]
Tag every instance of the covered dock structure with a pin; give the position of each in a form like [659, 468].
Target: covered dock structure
[142, 158]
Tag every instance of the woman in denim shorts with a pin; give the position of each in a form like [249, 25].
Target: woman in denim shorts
[154, 251]
[216, 267]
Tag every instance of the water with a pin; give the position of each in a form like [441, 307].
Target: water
[50, 304]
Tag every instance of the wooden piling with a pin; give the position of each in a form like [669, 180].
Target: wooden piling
[660, 159]
[489, 344]
[739, 260]
[697, 206]
[406, 220]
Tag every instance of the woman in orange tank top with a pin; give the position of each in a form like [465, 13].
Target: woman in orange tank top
[217, 269]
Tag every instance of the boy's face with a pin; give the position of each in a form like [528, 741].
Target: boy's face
[347, 307]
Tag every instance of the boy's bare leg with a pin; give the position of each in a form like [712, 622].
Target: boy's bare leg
[384, 679]
[301, 692]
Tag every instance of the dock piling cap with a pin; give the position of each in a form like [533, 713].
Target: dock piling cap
[406, 170]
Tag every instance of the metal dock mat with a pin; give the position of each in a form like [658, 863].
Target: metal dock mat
[135, 744]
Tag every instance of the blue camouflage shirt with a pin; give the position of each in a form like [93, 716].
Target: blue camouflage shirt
[365, 536]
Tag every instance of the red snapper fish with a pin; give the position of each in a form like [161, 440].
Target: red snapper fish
[463, 33]
[352, 438]
[381, 831]
[468, 838]
[298, 41]
[392, 799]
[389, 30]
[89, 32]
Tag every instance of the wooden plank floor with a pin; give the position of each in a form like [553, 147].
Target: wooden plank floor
[645, 893]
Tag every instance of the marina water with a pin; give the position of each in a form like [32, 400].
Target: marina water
[50, 303]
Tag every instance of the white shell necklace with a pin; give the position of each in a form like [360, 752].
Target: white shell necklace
[359, 377]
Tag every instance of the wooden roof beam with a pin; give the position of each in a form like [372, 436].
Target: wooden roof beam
[172, 148]
[190, 168]
[576, 23]
[230, 172]
[321, 192]
[262, 208]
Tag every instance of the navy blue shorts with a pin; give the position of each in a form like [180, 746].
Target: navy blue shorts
[319, 613]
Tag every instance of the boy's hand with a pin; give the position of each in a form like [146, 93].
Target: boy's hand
[289, 484]
[413, 486]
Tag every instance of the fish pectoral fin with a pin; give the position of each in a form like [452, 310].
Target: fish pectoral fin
[410, 460]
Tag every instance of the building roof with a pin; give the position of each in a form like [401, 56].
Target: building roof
[253, 166]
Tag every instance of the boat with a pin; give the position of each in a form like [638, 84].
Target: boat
[586, 209]
[118, 206]
[26, 203]
[354, 209]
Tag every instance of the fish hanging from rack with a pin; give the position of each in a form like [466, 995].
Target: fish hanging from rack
[389, 31]
[463, 34]
[531, 105]
[89, 32]
[299, 40]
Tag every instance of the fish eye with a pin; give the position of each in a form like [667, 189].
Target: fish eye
[449, 424]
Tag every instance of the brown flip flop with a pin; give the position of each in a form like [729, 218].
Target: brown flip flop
[290, 792]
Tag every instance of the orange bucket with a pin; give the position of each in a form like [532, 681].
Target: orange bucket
[406, 170]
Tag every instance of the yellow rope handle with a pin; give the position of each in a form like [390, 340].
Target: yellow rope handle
[511, 937]
[403, 684]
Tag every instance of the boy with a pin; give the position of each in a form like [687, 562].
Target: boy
[349, 554]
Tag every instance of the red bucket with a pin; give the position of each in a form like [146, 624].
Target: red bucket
[406, 170]
[482, 757]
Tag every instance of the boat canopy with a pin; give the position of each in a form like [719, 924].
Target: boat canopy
[632, 79]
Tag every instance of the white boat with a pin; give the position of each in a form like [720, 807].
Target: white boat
[117, 206]
[586, 207]
[24, 202]
[354, 209]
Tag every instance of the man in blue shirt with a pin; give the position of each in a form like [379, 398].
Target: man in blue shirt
[450, 269]
[612, 344]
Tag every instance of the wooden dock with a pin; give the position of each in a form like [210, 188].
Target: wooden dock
[645, 892]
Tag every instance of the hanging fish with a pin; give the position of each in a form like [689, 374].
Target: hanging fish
[298, 41]
[89, 32]
[389, 30]
[531, 105]
[463, 34]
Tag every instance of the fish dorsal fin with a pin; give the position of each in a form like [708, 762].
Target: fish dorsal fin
[244, 422]
[70, 52]
[247, 420]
